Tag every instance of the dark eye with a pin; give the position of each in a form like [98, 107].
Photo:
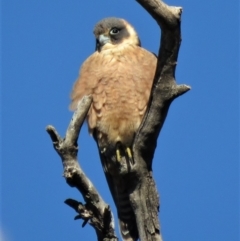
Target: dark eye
[114, 31]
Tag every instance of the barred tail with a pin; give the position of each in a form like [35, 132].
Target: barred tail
[126, 218]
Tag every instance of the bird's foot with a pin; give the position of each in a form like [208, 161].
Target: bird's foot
[124, 157]
[129, 155]
[124, 154]
[118, 155]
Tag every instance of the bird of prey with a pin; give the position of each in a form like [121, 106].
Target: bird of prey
[119, 76]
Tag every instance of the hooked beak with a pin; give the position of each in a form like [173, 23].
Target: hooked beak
[101, 40]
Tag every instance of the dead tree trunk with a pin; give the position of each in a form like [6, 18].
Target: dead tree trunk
[142, 190]
[144, 197]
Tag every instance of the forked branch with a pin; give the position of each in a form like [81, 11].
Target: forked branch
[96, 212]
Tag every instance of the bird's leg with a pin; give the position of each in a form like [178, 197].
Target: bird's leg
[118, 155]
[129, 155]
[128, 151]
[124, 153]
[119, 151]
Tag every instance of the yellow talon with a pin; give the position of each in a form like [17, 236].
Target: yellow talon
[129, 152]
[118, 155]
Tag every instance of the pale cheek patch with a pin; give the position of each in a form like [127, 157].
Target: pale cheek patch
[133, 37]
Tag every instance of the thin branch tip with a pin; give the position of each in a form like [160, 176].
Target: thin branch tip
[177, 10]
[55, 137]
[181, 89]
[185, 88]
[49, 128]
[72, 203]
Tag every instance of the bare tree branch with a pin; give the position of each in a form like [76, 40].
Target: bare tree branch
[95, 211]
[143, 193]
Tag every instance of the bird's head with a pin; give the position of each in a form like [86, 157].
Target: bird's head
[110, 32]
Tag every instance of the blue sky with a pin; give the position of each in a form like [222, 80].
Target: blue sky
[196, 164]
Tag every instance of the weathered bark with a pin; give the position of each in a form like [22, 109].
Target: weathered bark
[96, 212]
[144, 197]
[142, 189]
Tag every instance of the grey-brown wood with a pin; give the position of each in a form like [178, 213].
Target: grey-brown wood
[143, 193]
[96, 212]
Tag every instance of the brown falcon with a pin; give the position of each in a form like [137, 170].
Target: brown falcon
[119, 76]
